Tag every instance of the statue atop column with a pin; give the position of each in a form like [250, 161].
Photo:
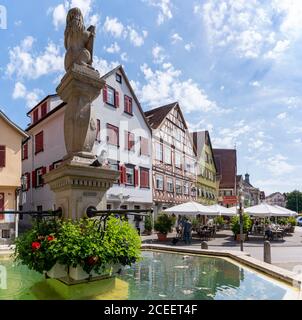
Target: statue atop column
[78, 41]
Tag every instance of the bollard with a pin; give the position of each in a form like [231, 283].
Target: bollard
[204, 245]
[267, 252]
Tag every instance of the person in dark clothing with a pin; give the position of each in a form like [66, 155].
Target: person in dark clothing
[187, 231]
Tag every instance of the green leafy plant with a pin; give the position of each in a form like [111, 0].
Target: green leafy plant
[219, 220]
[78, 243]
[164, 223]
[292, 221]
[195, 223]
[235, 224]
[148, 224]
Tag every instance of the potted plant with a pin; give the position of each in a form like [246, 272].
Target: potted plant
[163, 225]
[78, 249]
[235, 226]
[148, 225]
[292, 221]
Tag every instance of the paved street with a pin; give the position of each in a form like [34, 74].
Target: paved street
[286, 254]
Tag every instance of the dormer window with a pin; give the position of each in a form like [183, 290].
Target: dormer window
[43, 109]
[36, 115]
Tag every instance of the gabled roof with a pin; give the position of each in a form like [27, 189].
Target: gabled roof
[121, 69]
[156, 116]
[226, 163]
[13, 125]
[44, 99]
[203, 136]
[274, 194]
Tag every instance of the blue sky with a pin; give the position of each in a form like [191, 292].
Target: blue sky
[234, 66]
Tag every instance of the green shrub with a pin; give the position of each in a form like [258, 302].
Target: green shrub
[235, 224]
[164, 223]
[219, 220]
[292, 221]
[78, 243]
[148, 223]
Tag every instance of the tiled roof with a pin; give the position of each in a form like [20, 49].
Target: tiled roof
[12, 124]
[226, 163]
[156, 116]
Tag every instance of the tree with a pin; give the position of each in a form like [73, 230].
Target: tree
[294, 200]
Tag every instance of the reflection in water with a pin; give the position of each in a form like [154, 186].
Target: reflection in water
[158, 276]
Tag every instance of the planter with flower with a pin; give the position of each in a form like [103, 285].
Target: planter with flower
[77, 250]
[163, 225]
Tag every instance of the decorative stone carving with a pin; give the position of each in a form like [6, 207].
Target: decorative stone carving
[78, 41]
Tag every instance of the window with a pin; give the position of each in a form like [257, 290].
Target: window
[114, 165]
[36, 115]
[98, 130]
[5, 233]
[129, 141]
[118, 78]
[178, 160]
[170, 185]
[2, 156]
[130, 175]
[44, 109]
[111, 96]
[109, 206]
[25, 181]
[40, 208]
[178, 187]
[144, 178]
[193, 191]
[159, 182]
[186, 188]
[159, 151]
[25, 151]
[39, 142]
[39, 181]
[144, 146]
[168, 157]
[112, 135]
[2, 207]
[128, 105]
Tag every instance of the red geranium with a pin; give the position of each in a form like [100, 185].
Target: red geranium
[36, 245]
[50, 238]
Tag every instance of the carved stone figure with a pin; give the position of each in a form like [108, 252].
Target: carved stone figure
[78, 41]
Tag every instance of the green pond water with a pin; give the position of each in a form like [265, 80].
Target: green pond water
[158, 276]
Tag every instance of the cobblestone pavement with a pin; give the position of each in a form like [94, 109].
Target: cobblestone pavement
[286, 253]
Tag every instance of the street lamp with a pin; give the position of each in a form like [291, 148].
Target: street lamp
[241, 202]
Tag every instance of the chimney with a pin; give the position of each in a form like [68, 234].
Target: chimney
[247, 178]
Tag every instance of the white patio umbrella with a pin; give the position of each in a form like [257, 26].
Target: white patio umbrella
[234, 209]
[192, 208]
[287, 212]
[264, 210]
[223, 211]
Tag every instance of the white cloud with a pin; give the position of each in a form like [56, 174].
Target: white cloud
[31, 97]
[252, 28]
[255, 84]
[282, 115]
[135, 38]
[103, 66]
[165, 10]
[114, 27]
[299, 140]
[158, 54]
[278, 165]
[165, 86]
[24, 62]
[176, 38]
[189, 46]
[124, 56]
[59, 12]
[114, 48]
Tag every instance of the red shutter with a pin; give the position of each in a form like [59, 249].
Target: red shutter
[135, 177]
[36, 116]
[124, 175]
[2, 205]
[44, 109]
[105, 94]
[25, 151]
[34, 179]
[117, 99]
[51, 167]
[121, 179]
[144, 146]
[130, 105]
[126, 103]
[126, 140]
[39, 142]
[2, 156]
[27, 181]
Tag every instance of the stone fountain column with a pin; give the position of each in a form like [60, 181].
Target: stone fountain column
[78, 185]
